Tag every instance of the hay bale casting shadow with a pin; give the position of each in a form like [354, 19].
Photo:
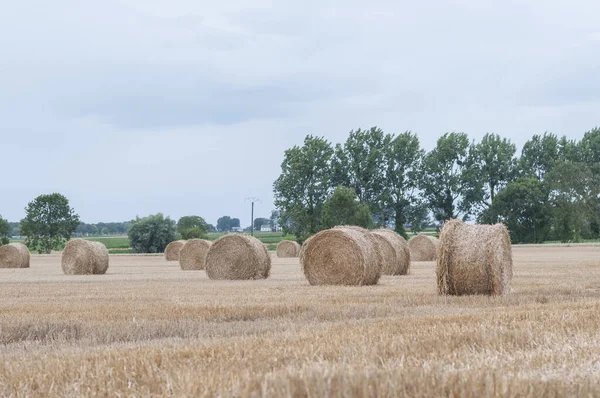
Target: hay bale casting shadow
[82, 257]
[14, 255]
[173, 249]
[474, 259]
[237, 257]
[193, 254]
[396, 252]
[288, 249]
[423, 248]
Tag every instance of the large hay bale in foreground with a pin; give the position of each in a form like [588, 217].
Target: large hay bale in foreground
[193, 254]
[423, 248]
[14, 255]
[173, 249]
[238, 257]
[395, 252]
[474, 259]
[342, 256]
[83, 257]
[288, 249]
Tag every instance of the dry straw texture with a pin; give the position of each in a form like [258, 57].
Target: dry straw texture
[173, 249]
[14, 255]
[288, 249]
[193, 254]
[238, 257]
[474, 259]
[423, 248]
[342, 256]
[395, 252]
[82, 257]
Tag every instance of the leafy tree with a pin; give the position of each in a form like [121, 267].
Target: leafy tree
[417, 215]
[152, 234]
[574, 190]
[192, 227]
[49, 222]
[589, 149]
[491, 167]
[4, 231]
[523, 207]
[303, 186]
[344, 208]
[361, 164]
[259, 222]
[224, 224]
[568, 150]
[15, 229]
[539, 155]
[403, 161]
[446, 182]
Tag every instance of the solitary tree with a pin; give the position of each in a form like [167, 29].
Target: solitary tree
[4, 231]
[49, 222]
[152, 234]
[192, 227]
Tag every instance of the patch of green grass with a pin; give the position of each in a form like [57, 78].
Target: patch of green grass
[120, 251]
[112, 242]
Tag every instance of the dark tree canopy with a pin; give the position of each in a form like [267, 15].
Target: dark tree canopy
[192, 227]
[152, 234]
[344, 208]
[49, 222]
[4, 231]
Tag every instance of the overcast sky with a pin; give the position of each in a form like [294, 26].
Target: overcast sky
[186, 107]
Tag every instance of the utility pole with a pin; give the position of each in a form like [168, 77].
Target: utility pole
[252, 200]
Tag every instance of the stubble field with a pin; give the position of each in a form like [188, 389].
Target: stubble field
[149, 329]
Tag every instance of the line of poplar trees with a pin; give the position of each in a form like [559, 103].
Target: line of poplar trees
[548, 191]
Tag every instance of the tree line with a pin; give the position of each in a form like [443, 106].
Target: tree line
[548, 191]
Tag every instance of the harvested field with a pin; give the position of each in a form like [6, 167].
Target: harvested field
[148, 328]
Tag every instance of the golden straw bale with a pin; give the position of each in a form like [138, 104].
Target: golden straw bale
[238, 257]
[396, 252]
[82, 257]
[14, 255]
[173, 249]
[423, 248]
[193, 254]
[288, 249]
[342, 256]
[474, 259]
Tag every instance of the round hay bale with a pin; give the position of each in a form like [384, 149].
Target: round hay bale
[474, 259]
[373, 273]
[193, 254]
[101, 258]
[423, 248]
[395, 252]
[238, 257]
[14, 255]
[173, 249]
[83, 257]
[288, 249]
[342, 256]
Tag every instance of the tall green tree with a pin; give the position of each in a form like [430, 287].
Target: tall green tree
[360, 163]
[192, 227]
[303, 186]
[344, 208]
[152, 234]
[445, 181]
[226, 223]
[49, 222]
[4, 231]
[574, 190]
[589, 149]
[402, 197]
[539, 155]
[491, 166]
[523, 207]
